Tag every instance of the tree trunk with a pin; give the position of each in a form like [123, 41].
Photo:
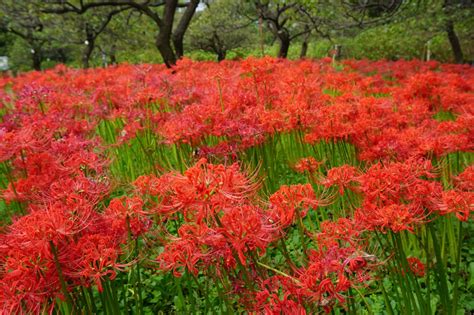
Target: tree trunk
[62, 55]
[36, 58]
[113, 57]
[454, 41]
[304, 45]
[164, 46]
[304, 48]
[284, 45]
[87, 53]
[163, 39]
[90, 44]
[178, 46]
[221, 55]
[178, 34]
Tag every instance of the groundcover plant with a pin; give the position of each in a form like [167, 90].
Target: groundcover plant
[260, 186]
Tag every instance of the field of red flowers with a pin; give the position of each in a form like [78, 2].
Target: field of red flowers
[260, 186]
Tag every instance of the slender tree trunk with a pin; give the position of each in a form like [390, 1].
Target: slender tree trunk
[87, 53]
[284, 45]
[89, 45]
[36, 58]
[164, 46]
[221, 55]
[304, 45]
[178, 46]
[178, 34]
[163, 39]
[304, 49]
[454, 41]
[62, 55]
[113, 57]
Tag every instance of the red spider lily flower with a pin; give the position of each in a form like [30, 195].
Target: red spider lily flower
[308, 164]
[395, 217]
[465, 180]
[285, 305]
[290, 202]
[183, 251]
[267, 300]
[204, 190]
[247, 228]
[460, 203]
[326, 279]
[127, 215]
[416, 266]
[93, 258]
[24, 291]
[397, 196]
[357, 263]
[341, 176]
[240, 230]
[343, 232]
[150, 185]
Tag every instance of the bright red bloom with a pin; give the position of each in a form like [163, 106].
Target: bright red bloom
[416, 266]
[341, 176]
[292, 202]
[127, 215]
[93, 258]
[395, 217]
[308, 164]
[459, 202]
[465, 180]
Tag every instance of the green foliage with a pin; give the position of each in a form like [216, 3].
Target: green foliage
[19, 56]
[220, 28]
[230, 29]
[404, 41]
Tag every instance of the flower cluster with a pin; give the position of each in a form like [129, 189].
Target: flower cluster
[89, 179]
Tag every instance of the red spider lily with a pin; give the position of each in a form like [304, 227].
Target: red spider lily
[204, 190]
[395, 217]
[126, 215]
[343, 232]
[460, 203]
[357, 263]
[325, 280]
[185, 251]
[416, 266]
[292, 202]
[341, 176]
[465, 180]
[308, 164]
[400, 183]
[247, 228]
[93, 258]
[150, 185]
[272, 304]
[28, 289]
[240, 230]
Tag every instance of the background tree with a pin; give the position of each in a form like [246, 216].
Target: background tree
[220, 28]
[284, 20]
[452, 11]
[22, 19]
[162, 13]
[90, 26]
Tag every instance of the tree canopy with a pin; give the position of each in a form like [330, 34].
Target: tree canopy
[99, 32]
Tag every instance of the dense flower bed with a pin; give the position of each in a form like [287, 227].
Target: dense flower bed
[262, 185]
